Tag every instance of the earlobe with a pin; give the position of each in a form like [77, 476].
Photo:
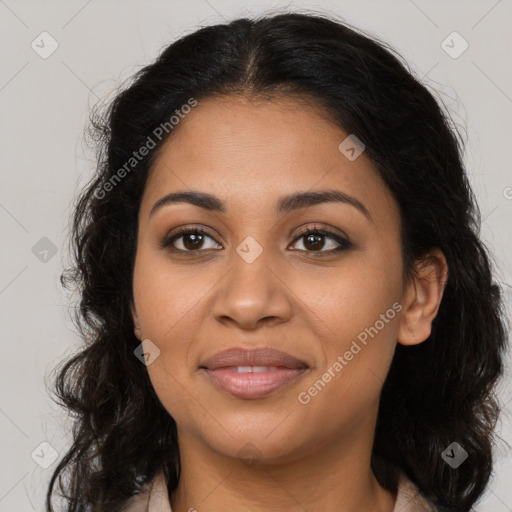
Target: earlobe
[424, 295]
[137, 329]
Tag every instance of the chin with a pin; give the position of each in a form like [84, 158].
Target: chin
[254, 445]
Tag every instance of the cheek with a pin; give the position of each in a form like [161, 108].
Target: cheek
[169, 307]
[352, 299]
[169, 386]
[165, 295]
[356, 317]
[171, 372]
[349, 382]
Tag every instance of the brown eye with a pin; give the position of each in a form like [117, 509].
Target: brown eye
[193, 240]
[314, 240]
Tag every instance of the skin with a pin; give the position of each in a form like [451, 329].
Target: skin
[313, 456]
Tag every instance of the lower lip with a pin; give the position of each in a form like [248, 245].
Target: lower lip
[250, 385]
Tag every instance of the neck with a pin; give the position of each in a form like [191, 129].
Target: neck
[336, 477]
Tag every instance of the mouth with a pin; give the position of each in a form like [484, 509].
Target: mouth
[252, 374]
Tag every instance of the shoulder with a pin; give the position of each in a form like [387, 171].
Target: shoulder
[153, 497]
[409, 497]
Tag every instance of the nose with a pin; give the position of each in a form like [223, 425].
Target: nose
[253, 293]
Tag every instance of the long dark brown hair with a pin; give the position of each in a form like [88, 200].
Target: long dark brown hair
[437, 392]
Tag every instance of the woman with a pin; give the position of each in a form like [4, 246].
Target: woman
[285, 298]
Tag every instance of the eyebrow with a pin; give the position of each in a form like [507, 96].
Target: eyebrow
[285, 204]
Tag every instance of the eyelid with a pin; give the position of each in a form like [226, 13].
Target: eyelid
[322, 228]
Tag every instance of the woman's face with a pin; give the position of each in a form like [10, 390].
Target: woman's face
[252, 281]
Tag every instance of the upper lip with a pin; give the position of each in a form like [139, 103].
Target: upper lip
[265, 356]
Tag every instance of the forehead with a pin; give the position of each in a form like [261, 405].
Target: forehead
[254, 151]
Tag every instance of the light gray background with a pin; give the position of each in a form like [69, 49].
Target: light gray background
[45, 105]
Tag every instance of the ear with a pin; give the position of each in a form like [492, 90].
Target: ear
[422, 298]
[137, 329]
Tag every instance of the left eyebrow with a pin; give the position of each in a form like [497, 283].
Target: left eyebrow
[285, 204]
[305, 199]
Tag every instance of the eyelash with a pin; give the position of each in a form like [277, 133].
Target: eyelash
[344, 244]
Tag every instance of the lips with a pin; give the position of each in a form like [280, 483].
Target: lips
[265, 356]
[252, 374]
